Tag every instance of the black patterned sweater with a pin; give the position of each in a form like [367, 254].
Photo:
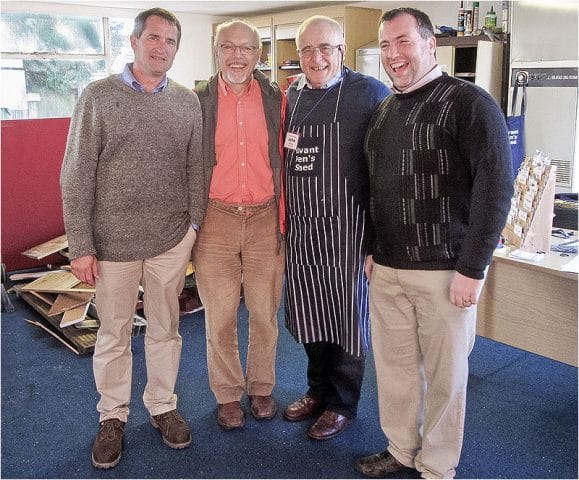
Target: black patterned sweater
[440, 178]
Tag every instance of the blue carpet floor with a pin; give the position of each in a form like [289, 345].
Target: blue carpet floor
[521, 415]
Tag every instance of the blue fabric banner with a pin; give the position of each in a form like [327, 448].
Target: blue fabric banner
[516, 126]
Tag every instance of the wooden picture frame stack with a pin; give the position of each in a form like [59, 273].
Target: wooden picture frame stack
[530, 219]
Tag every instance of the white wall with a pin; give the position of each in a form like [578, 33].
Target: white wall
[194, 58]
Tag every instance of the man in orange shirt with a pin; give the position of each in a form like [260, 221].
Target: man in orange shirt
[240, 242]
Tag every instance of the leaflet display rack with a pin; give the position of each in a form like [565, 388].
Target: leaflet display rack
[530, 219]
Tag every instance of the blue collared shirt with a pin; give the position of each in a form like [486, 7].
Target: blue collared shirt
[128, 78]
[303, 81]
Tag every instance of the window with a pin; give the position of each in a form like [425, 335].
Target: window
[47, 60]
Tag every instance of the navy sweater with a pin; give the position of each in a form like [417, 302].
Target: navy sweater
[440, 178]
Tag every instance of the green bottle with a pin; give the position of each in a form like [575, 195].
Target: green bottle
[491, 19]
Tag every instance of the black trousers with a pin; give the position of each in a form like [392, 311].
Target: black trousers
[334, 377]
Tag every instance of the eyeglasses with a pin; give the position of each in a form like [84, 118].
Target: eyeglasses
[325, 50]
[229, 49]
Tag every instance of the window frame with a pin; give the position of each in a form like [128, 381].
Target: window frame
[104, 56]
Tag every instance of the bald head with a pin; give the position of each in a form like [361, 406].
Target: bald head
[333, 29]
[237, 25]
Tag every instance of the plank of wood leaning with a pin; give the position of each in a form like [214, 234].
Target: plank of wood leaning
[47, 248]
[53, 282]
[69, 300]
[74, 315]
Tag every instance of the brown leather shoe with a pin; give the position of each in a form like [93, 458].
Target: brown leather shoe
[302, 409]
[230, 415]
[108, 444]
[329, 425]
[263, 407]
[174, 430]
[380, 465]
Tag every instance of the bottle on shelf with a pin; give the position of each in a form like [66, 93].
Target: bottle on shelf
[468, 22]
[475, 12]
[491, 19]
[460, 26]
[461, 20]
[505, 16]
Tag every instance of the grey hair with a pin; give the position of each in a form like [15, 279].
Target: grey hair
[233, 22]
[336, 27]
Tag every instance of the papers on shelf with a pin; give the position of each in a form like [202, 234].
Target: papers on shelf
[527, 256]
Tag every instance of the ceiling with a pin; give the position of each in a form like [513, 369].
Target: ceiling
[215, 7]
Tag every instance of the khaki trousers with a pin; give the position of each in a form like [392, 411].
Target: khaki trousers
[117, 287]
[421, 343]
[239, 244]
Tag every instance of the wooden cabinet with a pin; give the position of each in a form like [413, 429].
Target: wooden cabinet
[264, 26]
[475, 59]
[265, 60]
[457, 55]
[287, 59]
[360, 26]
[279, 57]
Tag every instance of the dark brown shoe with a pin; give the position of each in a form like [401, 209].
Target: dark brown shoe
[329, 425]
[380, 465]
[175, 431]
[108, 444]
[302, 409]
[263, 407]
[230, 415]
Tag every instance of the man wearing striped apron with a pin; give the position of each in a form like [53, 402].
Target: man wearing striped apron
[329, 108]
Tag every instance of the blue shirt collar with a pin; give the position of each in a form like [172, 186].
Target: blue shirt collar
[303, 81]
[129, 79]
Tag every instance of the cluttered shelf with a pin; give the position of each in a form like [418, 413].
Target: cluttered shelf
[530, 296]
[66, 306]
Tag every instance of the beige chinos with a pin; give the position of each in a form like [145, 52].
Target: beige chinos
[162, 278]
[421, 343]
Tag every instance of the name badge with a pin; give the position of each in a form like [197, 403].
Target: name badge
[291, 140]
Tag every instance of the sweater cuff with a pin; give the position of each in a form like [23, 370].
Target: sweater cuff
[467, 271]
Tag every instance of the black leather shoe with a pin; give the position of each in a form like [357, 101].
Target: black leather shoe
[329, 425]
[380, 465]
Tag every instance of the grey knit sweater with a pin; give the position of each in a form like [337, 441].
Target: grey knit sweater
[132, 178]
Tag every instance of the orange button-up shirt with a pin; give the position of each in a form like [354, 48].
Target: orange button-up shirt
[243, 174]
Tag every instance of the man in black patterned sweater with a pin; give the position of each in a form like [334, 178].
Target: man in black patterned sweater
[440, 190]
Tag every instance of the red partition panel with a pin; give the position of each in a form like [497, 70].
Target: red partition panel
[32, 153]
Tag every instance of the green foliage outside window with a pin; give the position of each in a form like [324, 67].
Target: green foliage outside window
[47, 60]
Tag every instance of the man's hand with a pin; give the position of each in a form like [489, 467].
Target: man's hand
[464, 291]
[85, 269]
[368, 267]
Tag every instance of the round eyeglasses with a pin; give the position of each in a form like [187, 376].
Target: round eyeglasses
[325, 50]
[229, 49]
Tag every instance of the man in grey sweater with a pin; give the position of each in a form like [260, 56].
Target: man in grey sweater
[132, 188]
